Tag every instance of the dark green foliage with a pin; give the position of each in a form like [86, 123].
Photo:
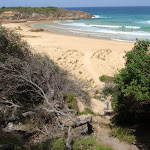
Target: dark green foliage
[56, 144]
[31, 10]
[133, 82]
[122, 134]
[12, 139]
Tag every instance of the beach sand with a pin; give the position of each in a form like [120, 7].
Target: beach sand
[85, 59]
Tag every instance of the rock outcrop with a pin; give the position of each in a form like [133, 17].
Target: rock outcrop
[60, 14]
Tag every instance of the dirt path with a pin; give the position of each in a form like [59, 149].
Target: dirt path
[103, 134]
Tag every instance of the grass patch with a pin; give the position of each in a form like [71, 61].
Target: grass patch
[87, 111]
[71, 101]
[58, 144]
[85, 143]
[105, 78]
[90, 143]
[82, 143]
[126, 135]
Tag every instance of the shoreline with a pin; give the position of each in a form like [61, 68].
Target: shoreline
[39, 22]
[29, 23]
[84, 58]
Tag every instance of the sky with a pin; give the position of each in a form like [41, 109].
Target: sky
[73, 3]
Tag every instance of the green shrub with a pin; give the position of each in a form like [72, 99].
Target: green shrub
[58, 144]
[133, 83]
[87, 111]
[71, 101]
[105, 78]
[12, 45]
[122, 134]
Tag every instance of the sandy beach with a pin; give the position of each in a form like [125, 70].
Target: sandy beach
[85, 59]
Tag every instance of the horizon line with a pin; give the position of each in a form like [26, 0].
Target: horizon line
[74, 6]
[104, 6]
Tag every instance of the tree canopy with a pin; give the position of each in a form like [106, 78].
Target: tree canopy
[132, 100]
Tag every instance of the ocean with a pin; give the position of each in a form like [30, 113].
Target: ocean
[116, 23]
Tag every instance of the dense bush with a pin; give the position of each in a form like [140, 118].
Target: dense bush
[31, 10]
[12, 45]
[17, 59]
[132, 101]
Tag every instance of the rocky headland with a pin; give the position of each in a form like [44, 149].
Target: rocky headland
[42, 13]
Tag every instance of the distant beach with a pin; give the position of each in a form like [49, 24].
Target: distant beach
[116, 23]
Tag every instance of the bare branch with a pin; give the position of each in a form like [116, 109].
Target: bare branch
[69, 138]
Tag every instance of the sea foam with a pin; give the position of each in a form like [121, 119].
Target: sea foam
[100, 17]
[104, 26]
[132, 27]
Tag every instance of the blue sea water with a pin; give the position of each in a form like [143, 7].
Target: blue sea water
[116, 23]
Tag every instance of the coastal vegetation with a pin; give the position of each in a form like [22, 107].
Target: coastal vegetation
[37, 100]
[30, 10]
[122, 134]
[131, 101]
[105, 78]
[87, 111]
[130, 96]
